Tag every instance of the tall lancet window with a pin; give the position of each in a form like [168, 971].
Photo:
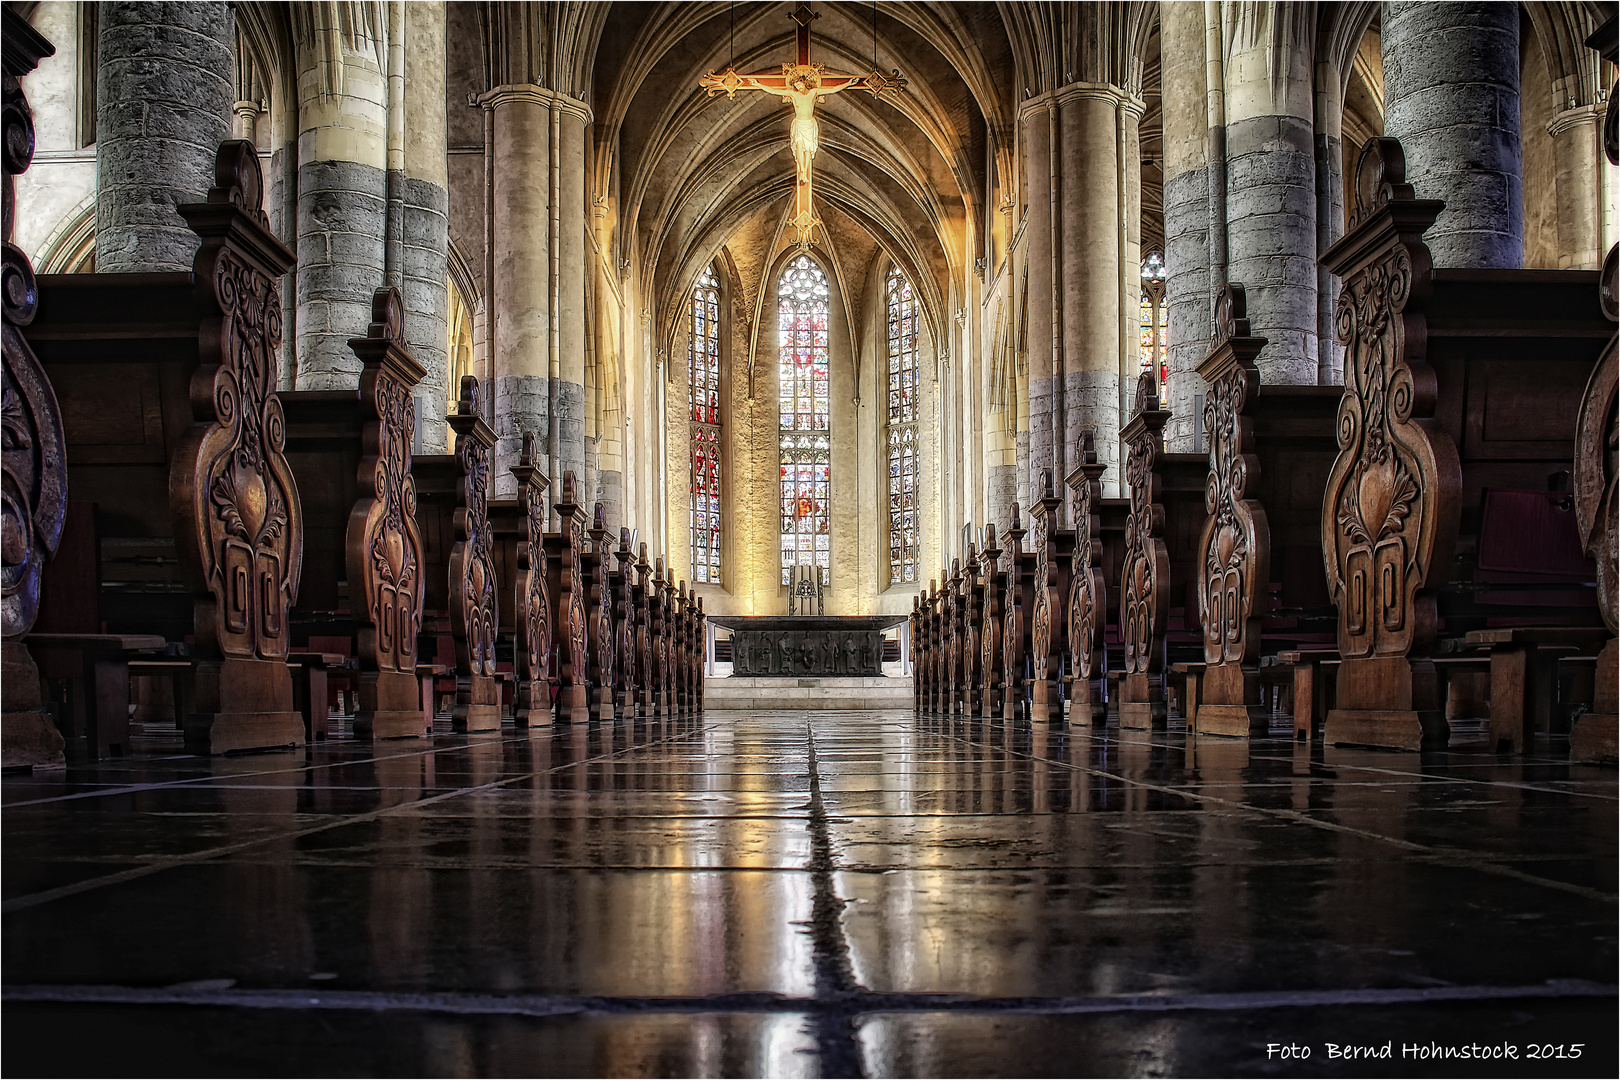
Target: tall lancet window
[805, 398]
[703, 382]
[902, 430]
[1155, 339]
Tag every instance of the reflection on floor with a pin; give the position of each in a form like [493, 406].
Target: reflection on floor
[794, 893]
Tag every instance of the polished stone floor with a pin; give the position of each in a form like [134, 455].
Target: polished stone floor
[804, 894]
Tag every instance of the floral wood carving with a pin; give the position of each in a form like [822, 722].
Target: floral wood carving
[970, 599]
[600, 614]
[1088, 600]
[1012, 622]
[1145, 569]
[990, 633]
[1597, 443]
[644, 632]
[384, 548]
[571, 602]
[35, 463]
[1389, 519]
[238, 524]
[662, 628]
[625, 601]
[928, 659]
[474, 609]
[1235, 546]
[533, 595]
[953, 635]
[1043, 649]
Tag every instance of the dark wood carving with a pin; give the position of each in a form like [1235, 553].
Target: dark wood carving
[953, 637]
[35, 466]
[1046, 629]
[1012, 623]
[600, 618]
[662, 628]
[1087, 610]
[972, 616]
[384, 546]
[624, 593]
[1595, 735]
[1390, 511]
[990, 630]
[1145, 574]
[928, 661]
[679, 647]
[645, 634]
[238, 527]
[1235, 548]
[703, 638]
[474, 604]
[533, 595]
[936, 647]
[572, 701]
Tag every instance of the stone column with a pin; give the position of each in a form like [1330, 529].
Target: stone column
[570, 119]
[1271, 183]
[1451, 96]
[163, 105]
[342, 194]
[1038, 138]
[1092, 255]
[520, 317]
[1577, 136]
[424, 255]
[1329, 144]
[1186, 210]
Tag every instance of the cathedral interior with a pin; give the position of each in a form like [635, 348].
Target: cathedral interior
[1187, 649]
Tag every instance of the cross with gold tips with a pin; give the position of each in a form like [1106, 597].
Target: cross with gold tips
[801, 85]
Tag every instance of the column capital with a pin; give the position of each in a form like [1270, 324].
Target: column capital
[1121, 99]
[1580, 116]
[531, 94]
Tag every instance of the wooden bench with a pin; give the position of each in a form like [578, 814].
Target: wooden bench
[1456, 381]
[173, 429]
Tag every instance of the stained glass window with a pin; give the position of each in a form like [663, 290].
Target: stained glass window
[804, 433]
[902, 430]
[703, 382]
[1154, 342]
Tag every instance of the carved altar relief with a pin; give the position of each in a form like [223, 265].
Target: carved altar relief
[533, 594]
[1088, 600]
[572, 700]
[990, 634]
[1145, 570]
[1045, 702]
[384, 547]
[1012, 623]
[1390, 508]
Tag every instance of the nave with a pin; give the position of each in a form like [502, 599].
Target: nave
[804, 894]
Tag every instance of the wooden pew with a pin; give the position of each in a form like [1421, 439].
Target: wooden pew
[473, 584]
[350, 451]
[646, 637]
[35, 463]
[1014, 625]
[1052, 547]
[627, 662]
[1087, 608]
[532, 595]
[1456, 381]
[174, 430]
[991, 613]
[1270, 450]
[599, 619]
[566, 562]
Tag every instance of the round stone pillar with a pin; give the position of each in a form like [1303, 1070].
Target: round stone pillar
[1271, 185]
[1036, 141]
[1578, 152]
[1186, 211]
[425, 251]
[163, 106]
[1451, 96]
[570, 118]
[342, 199]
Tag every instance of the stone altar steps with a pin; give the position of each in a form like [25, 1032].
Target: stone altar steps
[807, 692]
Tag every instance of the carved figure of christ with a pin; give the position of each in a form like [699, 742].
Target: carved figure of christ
[800, 86]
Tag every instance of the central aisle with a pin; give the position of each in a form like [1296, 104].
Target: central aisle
[793, 893]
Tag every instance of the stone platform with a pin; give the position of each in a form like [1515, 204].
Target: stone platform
[807, 692]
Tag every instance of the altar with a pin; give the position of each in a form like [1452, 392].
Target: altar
[795, 645]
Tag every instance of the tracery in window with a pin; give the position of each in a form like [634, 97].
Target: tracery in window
[902, 430]
[703, 395]
[806, 468]
[1155, 339]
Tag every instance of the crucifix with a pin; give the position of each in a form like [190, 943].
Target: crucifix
[801, 85]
